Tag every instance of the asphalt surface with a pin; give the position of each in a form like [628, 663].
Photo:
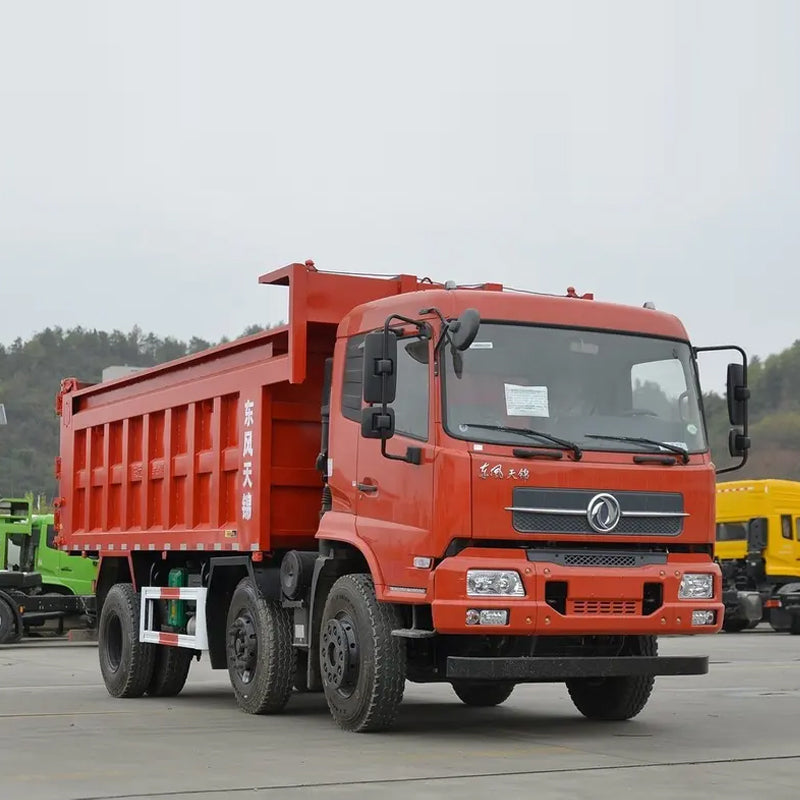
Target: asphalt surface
[731, 733]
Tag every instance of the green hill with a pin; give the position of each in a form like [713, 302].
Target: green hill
[30, 374]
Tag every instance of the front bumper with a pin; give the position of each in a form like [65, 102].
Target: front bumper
[533, 670]
[640, 599]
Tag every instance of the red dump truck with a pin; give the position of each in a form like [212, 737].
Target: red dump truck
[409, 481]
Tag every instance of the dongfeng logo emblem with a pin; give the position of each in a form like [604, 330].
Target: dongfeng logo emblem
[603, 513]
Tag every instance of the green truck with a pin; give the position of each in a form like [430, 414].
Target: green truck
[39, 583]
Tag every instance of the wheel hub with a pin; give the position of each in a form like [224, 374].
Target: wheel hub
[340, 654]
[243, 647]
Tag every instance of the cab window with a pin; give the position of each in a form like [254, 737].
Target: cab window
[731, 531]
[51, 537]
[786, 526]
[413, 391]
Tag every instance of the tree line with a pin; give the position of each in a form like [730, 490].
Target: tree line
[30, 375]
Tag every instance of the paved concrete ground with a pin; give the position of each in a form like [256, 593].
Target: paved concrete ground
[732, 733]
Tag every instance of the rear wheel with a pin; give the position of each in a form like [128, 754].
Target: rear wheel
[616, 698]
[261, 658]
[125, 663]
[482, 694]
[8, 625]
[794, 628]
[363, 666]
[170, 670]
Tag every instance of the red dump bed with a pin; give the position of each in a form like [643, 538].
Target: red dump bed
[215, 451]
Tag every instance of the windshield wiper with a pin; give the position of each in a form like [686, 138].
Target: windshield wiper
[577, 452]
[681, 451]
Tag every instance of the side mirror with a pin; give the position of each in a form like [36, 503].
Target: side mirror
[757, 533]
[738, 443]
[464, 330]
[737, 394]
[377, 423]
[380, 367]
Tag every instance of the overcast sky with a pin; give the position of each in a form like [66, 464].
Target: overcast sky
[156, 157]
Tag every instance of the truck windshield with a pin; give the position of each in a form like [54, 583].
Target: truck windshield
[574, 384]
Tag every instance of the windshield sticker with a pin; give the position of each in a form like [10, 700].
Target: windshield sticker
[527, 401]
[481, 346]
[678, 444]
[691, 428]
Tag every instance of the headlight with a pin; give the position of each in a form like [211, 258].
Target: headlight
[499, 582]
[696, 586]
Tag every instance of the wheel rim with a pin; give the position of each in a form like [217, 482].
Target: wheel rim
[340, 655]
[243, 647]
[114, 643]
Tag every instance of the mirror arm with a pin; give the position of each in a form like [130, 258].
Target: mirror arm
[444, 335]
[745, 426]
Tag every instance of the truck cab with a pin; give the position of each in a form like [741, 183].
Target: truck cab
[758, 549]
[27, 544]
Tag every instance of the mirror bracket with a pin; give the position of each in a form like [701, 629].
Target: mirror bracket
[737, 396]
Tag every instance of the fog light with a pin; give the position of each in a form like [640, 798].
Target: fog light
[487, 616]
[696, 586]
[498, 582]
[704, 617]
[494, 616]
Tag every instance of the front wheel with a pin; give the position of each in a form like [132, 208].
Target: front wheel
[8, 624]
[259, 650]
[734, 625]
[619, 698]
[363, 666]
[482, 694]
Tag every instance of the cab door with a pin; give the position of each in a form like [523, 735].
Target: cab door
[781, 554]
[394, 498]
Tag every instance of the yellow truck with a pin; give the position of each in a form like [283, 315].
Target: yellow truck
[758, 549]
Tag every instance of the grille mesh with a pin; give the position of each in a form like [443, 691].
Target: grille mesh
[599, 560]
[617, 607]
[528, 522]
[657, 507]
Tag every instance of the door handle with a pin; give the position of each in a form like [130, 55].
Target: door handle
[367, 488]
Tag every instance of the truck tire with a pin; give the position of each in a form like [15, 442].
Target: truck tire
[260, 655]
[779, 620]
[734, 625]
[794, 628]
[170, 670]
[363, 666]
[8, 623]
[615, 699]
[482, 694]
[125, 663]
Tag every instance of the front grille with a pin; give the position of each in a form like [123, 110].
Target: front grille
[572, 505]
[616, 607]
[586, 557]
[526, 522]
[600, 560]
